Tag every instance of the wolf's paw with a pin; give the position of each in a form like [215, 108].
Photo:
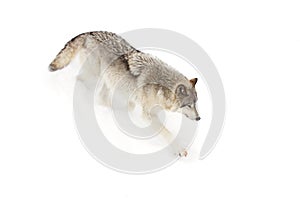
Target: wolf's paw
[183, 153]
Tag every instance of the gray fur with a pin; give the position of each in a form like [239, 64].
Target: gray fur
[147, 79]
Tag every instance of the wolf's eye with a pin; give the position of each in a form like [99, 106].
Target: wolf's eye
[189, 106]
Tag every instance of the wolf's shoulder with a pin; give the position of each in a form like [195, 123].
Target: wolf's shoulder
[139, 61]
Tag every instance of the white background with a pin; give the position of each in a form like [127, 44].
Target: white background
[255, 46]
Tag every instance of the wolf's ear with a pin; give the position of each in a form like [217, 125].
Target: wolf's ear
[194, 81]
[181, 90]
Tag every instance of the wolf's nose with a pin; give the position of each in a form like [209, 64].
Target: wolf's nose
[198, 118]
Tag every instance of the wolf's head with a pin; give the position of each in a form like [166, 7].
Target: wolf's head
[186, 95]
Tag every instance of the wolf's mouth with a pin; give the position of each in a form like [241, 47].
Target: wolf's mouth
[197, 118]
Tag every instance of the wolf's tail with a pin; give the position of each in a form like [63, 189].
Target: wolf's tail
[65, 56]
[111, 41]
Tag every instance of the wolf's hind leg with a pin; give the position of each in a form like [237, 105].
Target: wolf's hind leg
[104, 96]
[131, 106]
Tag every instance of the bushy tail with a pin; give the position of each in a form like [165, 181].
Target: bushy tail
[113, 44]
[65, 56]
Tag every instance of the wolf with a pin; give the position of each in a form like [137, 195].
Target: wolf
[149, 81]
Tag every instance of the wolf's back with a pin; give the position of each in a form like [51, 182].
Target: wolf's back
[110, 41]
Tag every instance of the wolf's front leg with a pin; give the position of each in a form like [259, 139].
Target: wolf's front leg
[167, 135]
[175, 146]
